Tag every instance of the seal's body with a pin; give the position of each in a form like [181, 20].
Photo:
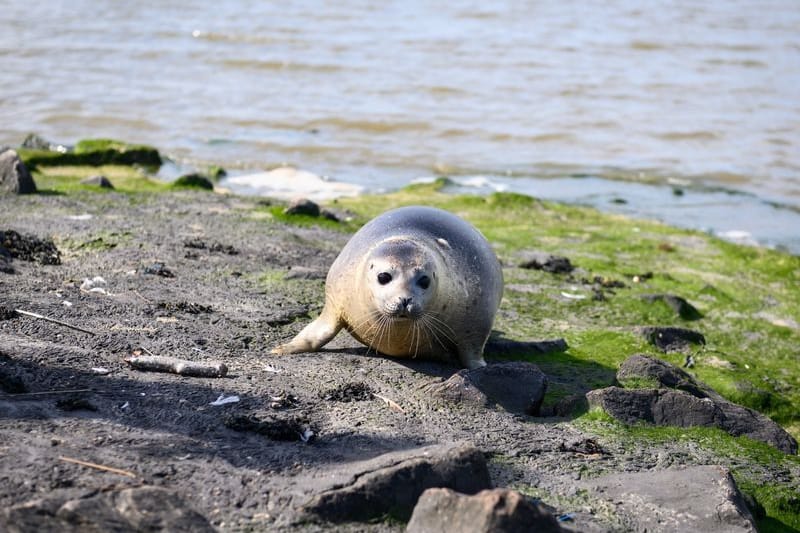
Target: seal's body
[414, 281]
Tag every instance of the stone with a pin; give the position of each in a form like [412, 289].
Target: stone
[99, 181]
[681, 400]
[543, 261]
[497, 511]
[645, 368]
[124, 510]
[302, 206]
[698, 498]
[682, 308]
[193, 181]
[669, 339]
[391, 484]
[662, 407]
[14, 175]
[516, 386]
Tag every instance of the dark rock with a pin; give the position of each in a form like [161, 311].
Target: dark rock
[123, 510]
[99, 181]
[37, 142]
[502, 347]
[684, 309]
[669, 339]
[159, 269]
[684, 402]
[516, 386]
[302, 206]
[497, 510]
[391, 484]
[662, 407]
[698, 498]
[193, 181]
[547, 262]
[330, 215]
[14, 175]
[300, 272]
[29, 248]
[645, 368]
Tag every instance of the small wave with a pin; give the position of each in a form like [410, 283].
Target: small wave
[368, 126]
[257, 64]
[646, 45]
[688, 136]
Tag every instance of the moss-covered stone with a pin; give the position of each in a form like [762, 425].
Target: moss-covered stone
[193, 181]
[94, 152]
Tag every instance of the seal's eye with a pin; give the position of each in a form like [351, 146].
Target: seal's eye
[424, 282]
[384, 278]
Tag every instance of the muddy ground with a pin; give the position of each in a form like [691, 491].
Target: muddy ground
[197, 276]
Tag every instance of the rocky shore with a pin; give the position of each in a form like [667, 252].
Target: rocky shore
[640, 377]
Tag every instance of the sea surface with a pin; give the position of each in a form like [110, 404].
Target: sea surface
[682, 110]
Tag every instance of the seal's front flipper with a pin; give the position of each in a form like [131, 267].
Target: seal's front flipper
[314, 336]
[471, 355]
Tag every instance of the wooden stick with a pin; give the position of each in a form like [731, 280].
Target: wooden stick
[54, 321]
[391, 403]
[156, 363]
[98, 467]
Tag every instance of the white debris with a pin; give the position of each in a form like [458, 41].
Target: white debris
[66, 303]
[306, 435]
[94, 285]
[101, 370]
[223, 400]
[84, 216]
[573, 296]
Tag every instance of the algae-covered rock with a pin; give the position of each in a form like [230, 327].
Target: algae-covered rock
[94, 152]
[681, 400]
[14, 176]
[193, 181]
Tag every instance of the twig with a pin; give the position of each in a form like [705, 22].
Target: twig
[42, 393]
[98, 467]
[156, 363]
[54, 321]
[391, 403]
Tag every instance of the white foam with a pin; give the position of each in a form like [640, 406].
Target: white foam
[288, 182]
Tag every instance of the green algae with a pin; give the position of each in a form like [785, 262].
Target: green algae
[749, 297]
[67, 178]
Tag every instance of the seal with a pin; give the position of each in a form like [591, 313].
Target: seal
[413, 282]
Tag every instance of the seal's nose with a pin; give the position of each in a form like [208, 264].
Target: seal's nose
[405, 303]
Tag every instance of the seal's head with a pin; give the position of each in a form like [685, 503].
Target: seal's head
[401, 278]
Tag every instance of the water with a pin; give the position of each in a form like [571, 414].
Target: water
[527, 94]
